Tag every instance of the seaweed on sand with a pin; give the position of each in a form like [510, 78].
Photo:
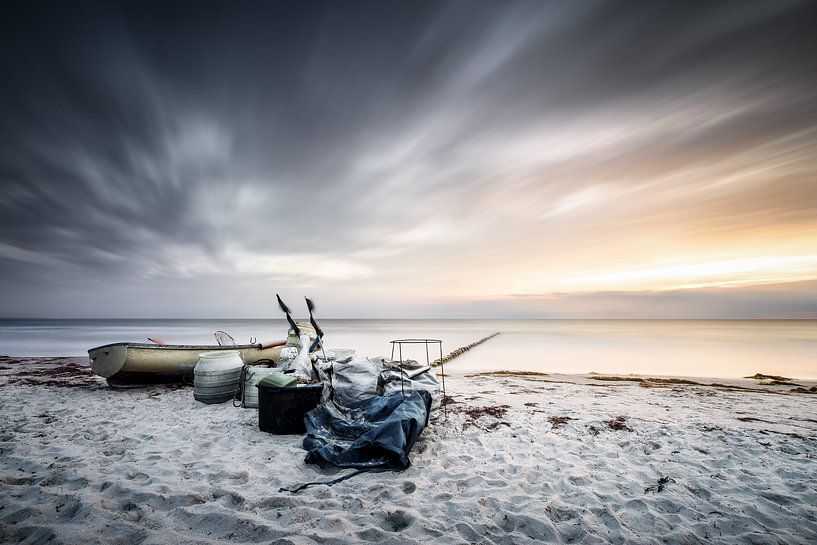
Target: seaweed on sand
[557, 421]
[753, 419]
[647, 379]
[761, 376]
[618, 423]
[509, 374]
[9, 359]
[497, 411]
[67, 370]
[68, 375]
[786, 433]
[659, 485]
[474, 414]
[615, 379]
[494, 425]
[654, 382]
[801, 390]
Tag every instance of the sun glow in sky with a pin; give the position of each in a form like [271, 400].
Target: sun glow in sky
[445, 159]
[753, 270]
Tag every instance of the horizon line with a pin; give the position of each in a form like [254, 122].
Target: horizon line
[722, 319]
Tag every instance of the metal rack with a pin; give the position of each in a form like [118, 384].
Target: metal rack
[399, 344]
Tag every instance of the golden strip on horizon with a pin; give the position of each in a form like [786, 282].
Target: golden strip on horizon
[731, 272]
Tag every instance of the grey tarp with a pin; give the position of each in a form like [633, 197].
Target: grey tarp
[378, 432]
[422, 378]
[355, 381]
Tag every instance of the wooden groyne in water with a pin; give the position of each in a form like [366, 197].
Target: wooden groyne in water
[461, 350]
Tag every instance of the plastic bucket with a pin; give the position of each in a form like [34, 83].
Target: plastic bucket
[281, 410]
[252, 376]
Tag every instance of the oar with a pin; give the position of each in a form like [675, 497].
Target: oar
[318, 331]
[288, 312]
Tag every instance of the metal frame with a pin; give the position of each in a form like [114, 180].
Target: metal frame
[400, 342]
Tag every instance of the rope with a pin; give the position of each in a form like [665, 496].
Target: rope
[462, 350]
[339, 479]
[242, 378]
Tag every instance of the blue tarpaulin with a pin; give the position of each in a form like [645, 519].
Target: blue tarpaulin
[378, 432]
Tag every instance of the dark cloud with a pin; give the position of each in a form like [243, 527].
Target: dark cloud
[359, 146]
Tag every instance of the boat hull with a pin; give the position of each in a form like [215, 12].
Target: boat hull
[139, 363]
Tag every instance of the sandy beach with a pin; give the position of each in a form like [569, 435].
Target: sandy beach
[518, 459]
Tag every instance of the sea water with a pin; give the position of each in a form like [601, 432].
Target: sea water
[702, 348]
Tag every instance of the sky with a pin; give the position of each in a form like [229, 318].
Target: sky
[447, 159]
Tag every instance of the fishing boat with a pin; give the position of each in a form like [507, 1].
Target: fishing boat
[128, 364]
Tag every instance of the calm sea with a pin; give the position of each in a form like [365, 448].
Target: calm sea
[703, 348]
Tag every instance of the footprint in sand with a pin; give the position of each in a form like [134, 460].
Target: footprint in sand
[138, 476]
[69, 510]
[67, 479]
[241, 477]
[228, 499]
[18, 516]
[32, 534]
[277, 502]
[132, 511]
[396, 521]
[15, 480]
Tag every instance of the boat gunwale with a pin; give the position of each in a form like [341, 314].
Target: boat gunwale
[178, 346]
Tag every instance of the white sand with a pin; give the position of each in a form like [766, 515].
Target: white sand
[88, 464]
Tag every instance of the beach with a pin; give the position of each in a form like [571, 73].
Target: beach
[518, 458]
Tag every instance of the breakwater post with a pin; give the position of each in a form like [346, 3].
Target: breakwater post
[461, 350]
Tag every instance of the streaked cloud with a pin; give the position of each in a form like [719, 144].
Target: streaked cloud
[398, 158]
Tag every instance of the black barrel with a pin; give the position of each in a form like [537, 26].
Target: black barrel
[281, 410]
